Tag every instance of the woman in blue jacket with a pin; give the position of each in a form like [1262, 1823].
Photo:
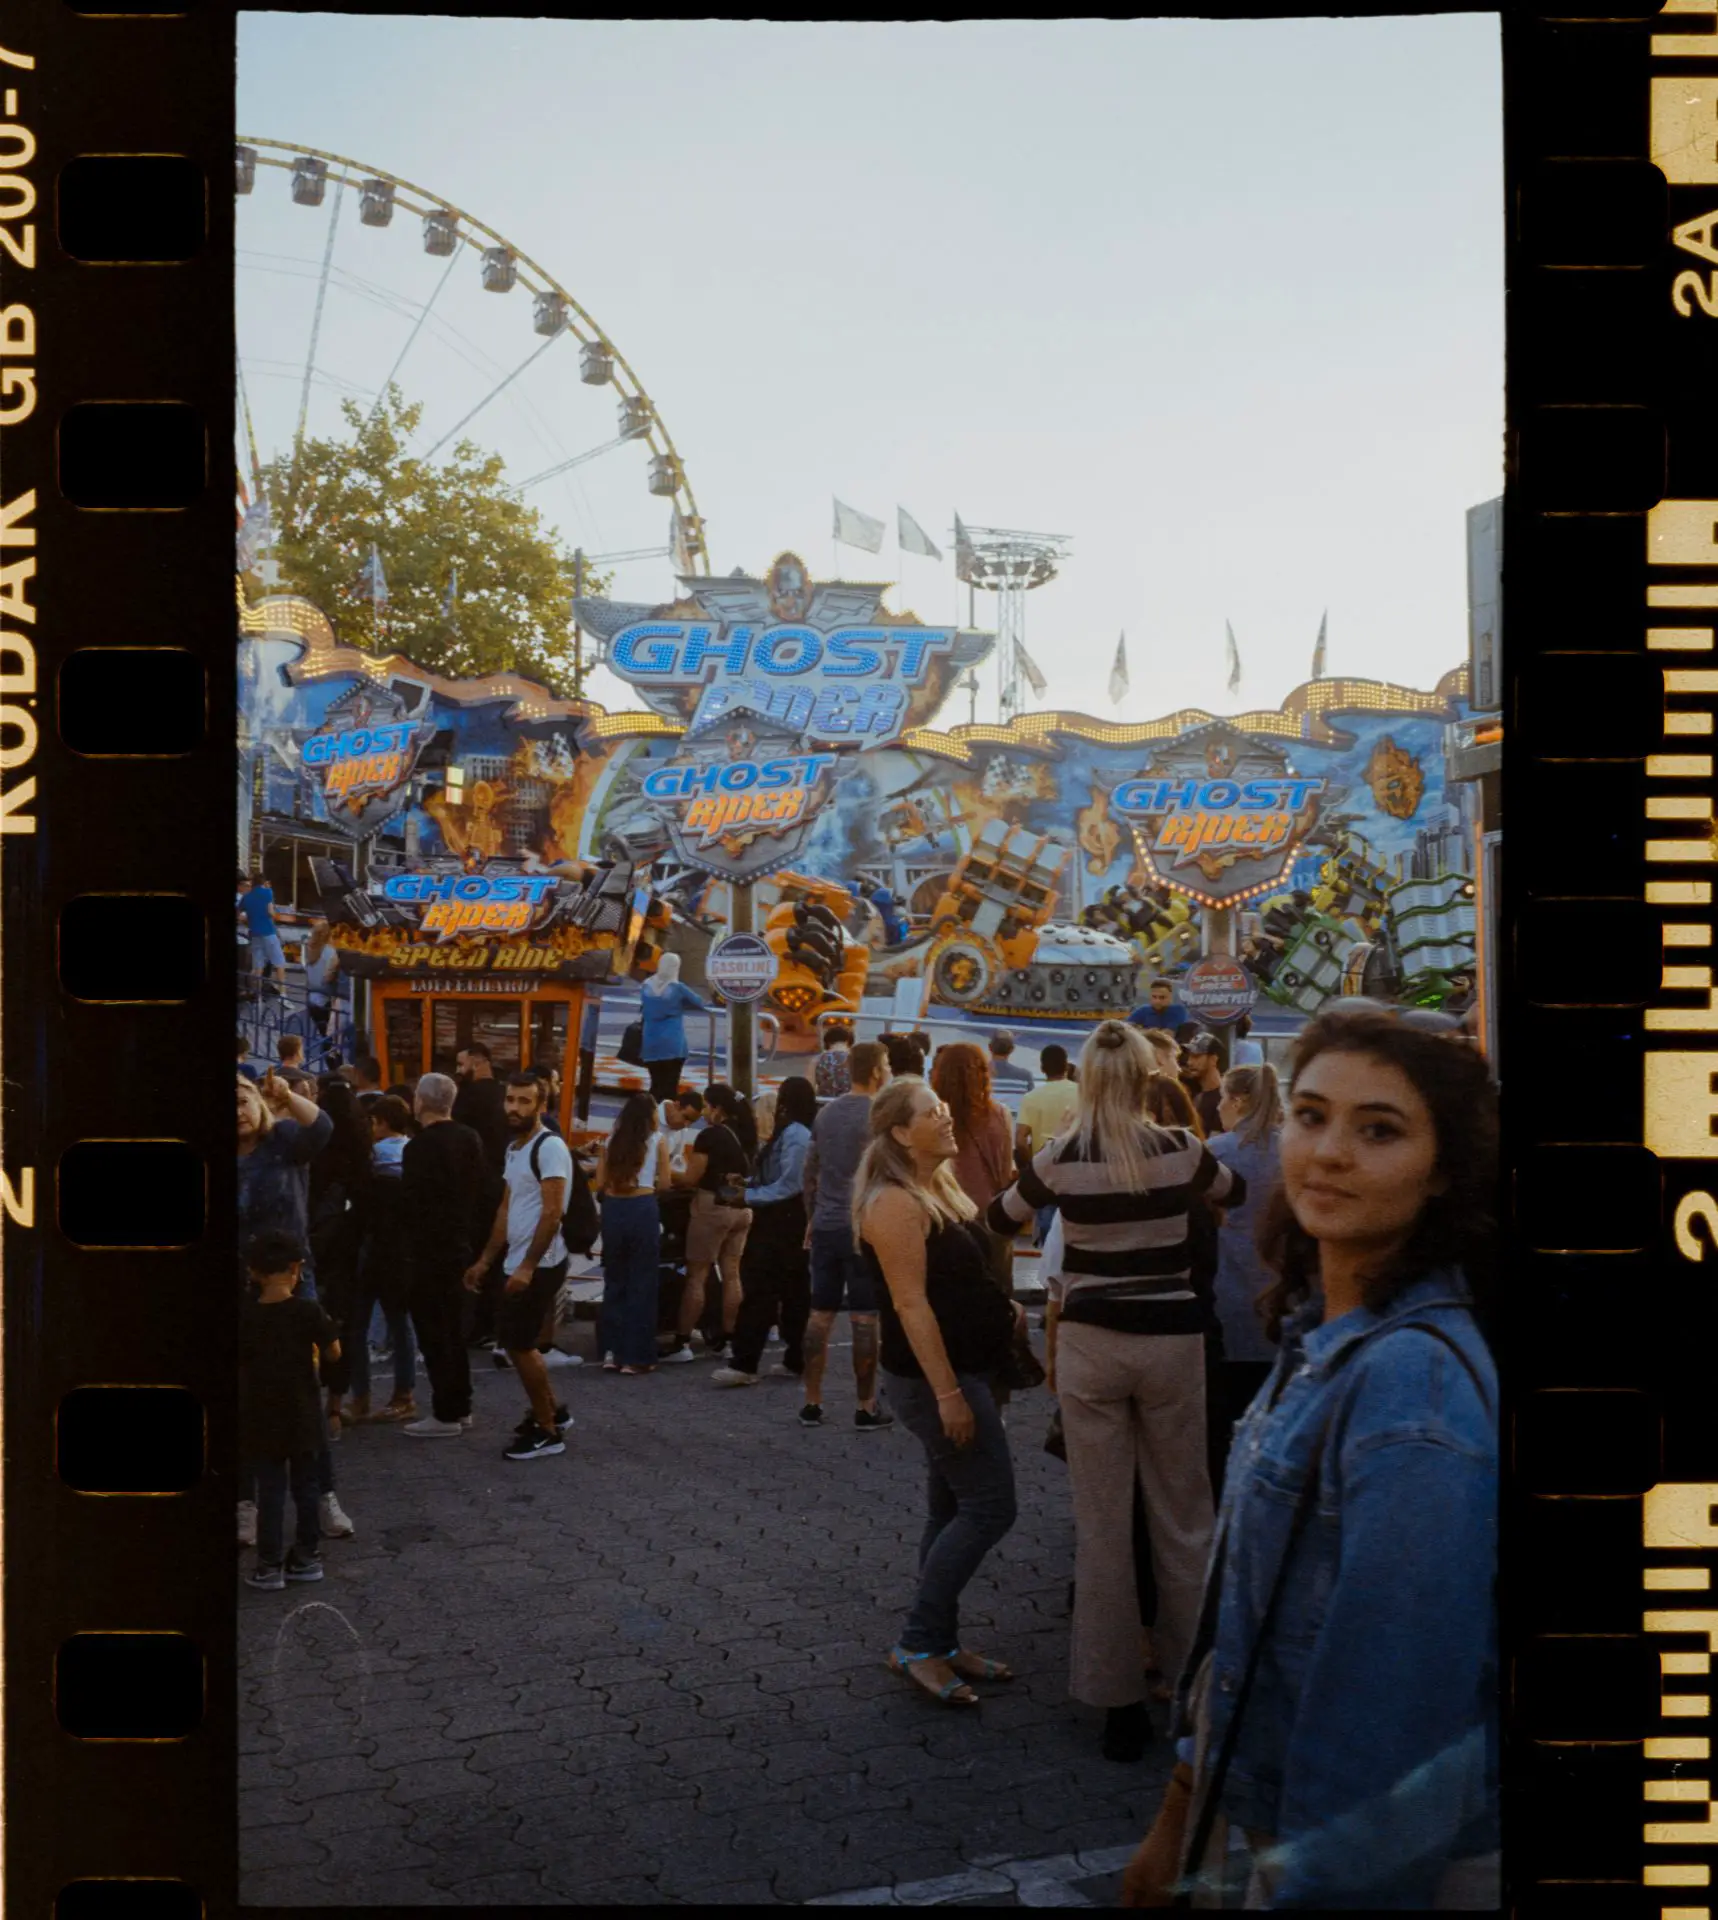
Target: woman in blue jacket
[663, 1004]
[1340, 1707]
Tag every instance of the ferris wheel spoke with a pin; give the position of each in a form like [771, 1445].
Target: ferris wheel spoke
[529, 360]
[417, 328]
[315, 335]
[578, 460]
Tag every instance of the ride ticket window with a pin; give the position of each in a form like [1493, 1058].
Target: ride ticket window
[549, 1035]
[403, 1037]
[459, 1022]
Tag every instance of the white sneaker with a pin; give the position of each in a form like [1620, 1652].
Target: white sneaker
[681, 1356]
[336, 1524]
[430, 1427]
[556, 1358]
[247, 1523]
[732, 1377]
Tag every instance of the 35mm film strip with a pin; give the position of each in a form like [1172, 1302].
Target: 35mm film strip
[117, 782]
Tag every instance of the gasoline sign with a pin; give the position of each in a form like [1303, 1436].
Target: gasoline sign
[1217, 990]
[740, 967]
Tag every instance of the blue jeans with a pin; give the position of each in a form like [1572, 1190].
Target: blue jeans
[400, 1339]
[971, 1491]
[1046, 1219]
[272, 1480]
[631, 1271]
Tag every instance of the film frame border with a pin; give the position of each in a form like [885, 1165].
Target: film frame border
[1581, 96]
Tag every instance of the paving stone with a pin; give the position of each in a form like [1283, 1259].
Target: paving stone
[429, 1779]
[348, 1773]
[505, 1889]
[283, 1887]
[406, 1887]
[350, 1812]
[270, 1807]
[371, 1850]
[282, 1846]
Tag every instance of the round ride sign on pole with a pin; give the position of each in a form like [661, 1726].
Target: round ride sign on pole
[740, 967]
[1217, 991]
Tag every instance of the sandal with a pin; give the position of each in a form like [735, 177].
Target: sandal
[956, 1694]
[976, 1667]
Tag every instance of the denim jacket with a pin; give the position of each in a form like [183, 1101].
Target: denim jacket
[1368, 1746]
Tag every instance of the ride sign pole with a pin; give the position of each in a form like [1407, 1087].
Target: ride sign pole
[742, 1015]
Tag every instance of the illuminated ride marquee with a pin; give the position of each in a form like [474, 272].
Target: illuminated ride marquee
[771, 678]
[818, 659]
[363, 755]
[1219, 815]
[455, 924]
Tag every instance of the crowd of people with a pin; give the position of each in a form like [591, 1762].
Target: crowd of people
[1263, 1333]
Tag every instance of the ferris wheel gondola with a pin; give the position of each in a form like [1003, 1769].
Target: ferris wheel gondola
[318, 179]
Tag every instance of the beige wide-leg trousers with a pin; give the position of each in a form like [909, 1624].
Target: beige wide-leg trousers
[1133, 1403]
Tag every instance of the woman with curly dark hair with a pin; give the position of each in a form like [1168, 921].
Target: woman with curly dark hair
[1340, 1708]
[960, 1078]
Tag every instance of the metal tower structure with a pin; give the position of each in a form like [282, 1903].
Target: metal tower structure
[1010, 564]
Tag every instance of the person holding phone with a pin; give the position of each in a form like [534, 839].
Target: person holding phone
[946, 1330]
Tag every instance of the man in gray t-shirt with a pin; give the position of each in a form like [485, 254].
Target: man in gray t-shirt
[839, 1276]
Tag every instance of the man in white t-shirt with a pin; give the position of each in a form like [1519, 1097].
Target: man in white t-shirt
[538, 1173]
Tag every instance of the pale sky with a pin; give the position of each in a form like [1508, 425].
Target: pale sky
[1221, 300]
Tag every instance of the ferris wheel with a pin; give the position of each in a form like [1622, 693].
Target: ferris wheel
[411, 317]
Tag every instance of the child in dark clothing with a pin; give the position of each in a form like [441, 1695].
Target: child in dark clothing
[280, 1407]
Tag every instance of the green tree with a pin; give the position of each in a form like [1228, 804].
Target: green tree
[425, 518]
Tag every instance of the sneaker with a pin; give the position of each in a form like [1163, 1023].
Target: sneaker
[695, 1342]
[610, 1364]
[269, 1579]
[429, 1427]
[556, 1358]
[872, 1422]
[733, 1377]
[306, 1569]
[247, 1523]
[680, 1357]
[811, 1416]
[534, 1444]
[499, 1358]
[336, 1524]
[563, 1420]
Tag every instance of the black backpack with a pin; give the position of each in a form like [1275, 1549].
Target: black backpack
[581, 1222]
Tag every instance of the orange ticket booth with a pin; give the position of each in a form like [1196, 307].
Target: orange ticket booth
[421, 1021]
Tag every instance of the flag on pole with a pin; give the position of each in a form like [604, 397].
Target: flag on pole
[856, 529]
[451, 599]
[679, 547]
[373, 580]
[1318, 651]
[1028, 666]
[256, 535]
[912, 537]
[965, 560]
[1118, 673]
[1234, 658]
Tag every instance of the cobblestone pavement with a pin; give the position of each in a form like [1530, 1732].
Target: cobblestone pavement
[651, 1671]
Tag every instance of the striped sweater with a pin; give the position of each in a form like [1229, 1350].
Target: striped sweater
[1127, 1254]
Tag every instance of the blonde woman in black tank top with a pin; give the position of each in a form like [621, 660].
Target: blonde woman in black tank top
[945, 1330]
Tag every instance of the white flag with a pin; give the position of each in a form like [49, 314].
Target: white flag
[856, 529]
[1118, 673]
[1028, 666]
[913, 537]
[1318, 651]
[965, 560]
[372, 579]
[1234, 658]
[679, 547]
[256, 535]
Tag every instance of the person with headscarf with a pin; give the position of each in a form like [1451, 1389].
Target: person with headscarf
[663, 1004]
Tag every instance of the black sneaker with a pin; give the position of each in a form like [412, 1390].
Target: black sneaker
[811, 1416]
[309, 1568]
[536, 1444]
[563, 1420]
[872, 1422]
